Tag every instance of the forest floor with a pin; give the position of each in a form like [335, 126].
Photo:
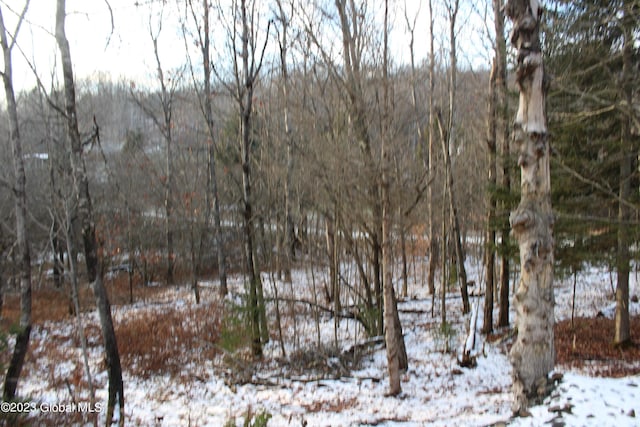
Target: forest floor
[187, 364]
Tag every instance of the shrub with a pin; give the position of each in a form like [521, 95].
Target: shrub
[155, 341]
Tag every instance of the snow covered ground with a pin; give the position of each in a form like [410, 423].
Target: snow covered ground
[330, 392]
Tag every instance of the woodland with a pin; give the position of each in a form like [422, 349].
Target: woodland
[296, 206]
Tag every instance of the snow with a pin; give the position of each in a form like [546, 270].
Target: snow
[435, 390]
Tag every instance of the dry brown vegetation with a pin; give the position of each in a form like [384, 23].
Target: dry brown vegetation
[588, 344]
[163, 341]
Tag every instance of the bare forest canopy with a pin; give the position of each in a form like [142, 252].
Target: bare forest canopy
[329, 176]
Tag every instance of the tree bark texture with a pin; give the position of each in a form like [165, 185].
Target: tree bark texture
[115, 404]
[533, 353]
[20, 203]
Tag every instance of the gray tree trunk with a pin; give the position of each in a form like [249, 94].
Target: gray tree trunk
[533, 353]
[433, 241]
[393, 330]
[214, 198]
[448, 140]
[166, 129]
[20, 197]
[115, 404]
[289, 229]
[247, 74]
[490, 234]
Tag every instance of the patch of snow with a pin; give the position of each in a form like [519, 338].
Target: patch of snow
[436, 391]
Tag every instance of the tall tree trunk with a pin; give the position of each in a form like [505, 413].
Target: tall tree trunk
[453, 211]
[622, 334]
[246, 83]
[393, 329]
[444, 258]
[533, 353]
[448, 140]
[168, 209]
[350, 28]
[289, 229]
[77, 162]
[502, 133]
[166, 130]
[212, 179]
[433, 241]
[20, 197]
[490, 234]
[85, 214]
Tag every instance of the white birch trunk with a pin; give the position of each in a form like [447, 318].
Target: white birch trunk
[533, 353]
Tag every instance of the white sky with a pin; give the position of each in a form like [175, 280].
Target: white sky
[127, 53]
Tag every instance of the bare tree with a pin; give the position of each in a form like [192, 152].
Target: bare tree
[448, 139]
[164, 122]
[497, 131]
[20, 203]
[247, 59]
[204, 98]
[504, 179]
[490, 234]
[533, 353]
[393, 329]
[433, 243]
[85, 215]
[289, 228]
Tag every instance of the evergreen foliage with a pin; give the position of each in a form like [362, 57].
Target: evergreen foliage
[587, 115]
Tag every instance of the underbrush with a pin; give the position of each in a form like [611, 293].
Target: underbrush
[589, 345]
[164, 341]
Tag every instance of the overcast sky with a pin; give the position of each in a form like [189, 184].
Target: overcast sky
[127, 51]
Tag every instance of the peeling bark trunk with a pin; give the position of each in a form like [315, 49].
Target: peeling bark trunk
[115, 404]
[20, 197]
[533, 353]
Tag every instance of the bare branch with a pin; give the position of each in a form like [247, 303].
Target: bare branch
[112, 23]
